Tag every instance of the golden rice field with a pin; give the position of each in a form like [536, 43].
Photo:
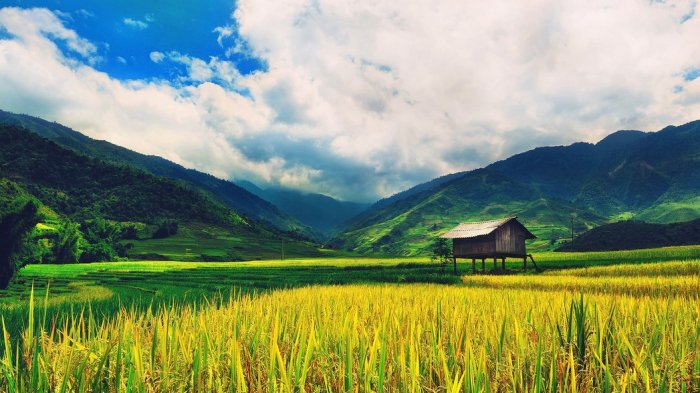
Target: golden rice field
[619, 328]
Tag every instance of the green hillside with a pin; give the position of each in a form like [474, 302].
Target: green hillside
[82, 189]
[409, 226]
[232, 196]
[627, 175]
[77, 185]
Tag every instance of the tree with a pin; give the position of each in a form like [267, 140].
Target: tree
[15, 223]
[165, 229]
[442, 252]
[130, 232]
[102, 240]
[67, 247]
[98, 252]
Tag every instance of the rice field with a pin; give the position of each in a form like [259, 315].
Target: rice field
[603, 329]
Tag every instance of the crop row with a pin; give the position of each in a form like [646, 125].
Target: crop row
[370, 338]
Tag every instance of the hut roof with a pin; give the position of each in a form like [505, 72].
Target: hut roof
[468, 230]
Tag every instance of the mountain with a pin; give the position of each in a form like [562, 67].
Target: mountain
[322, 213]
[410, 225]
[630, 235]
[74, 184]
[649, 176]
[231, 195]
[417, 189]
[80, 187]
[629, 174]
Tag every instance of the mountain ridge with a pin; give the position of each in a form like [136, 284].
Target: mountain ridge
[233, 196]
[77, 188]
[322, 213]
[628, 174]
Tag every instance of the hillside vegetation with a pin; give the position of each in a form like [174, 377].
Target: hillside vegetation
[77, 185]
[630, 235]
[225, 192]
[97, 210]
[18, 215]
[630, 174]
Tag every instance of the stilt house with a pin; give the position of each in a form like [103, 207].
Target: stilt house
[497, 239]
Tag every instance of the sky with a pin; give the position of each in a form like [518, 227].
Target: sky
[354, 99]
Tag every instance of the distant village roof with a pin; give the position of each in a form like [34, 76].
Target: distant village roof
[468, 230]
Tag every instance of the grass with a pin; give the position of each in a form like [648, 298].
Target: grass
[389, 337]
[672, 210]
[636, 284]
[170, 280]
[196, 241]
[357, 324]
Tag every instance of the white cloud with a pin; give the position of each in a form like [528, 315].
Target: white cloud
[121, 60]
[406, 87]
[367, 98]
[221, 72]
[156, 56]
[85, 13]
[223, 32]
[135, 23]
[30, 26]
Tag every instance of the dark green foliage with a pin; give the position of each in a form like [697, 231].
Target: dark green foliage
[68, 241]
[100, 229]
[231, 195]
[97, 252]
[442, 251]
[18, 215]
[103, 240]
[129, 232]
[630, 235]
[166, 229]
[37, 248]
[82, 187]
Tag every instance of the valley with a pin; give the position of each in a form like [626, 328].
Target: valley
[118, 241]
[371, 196]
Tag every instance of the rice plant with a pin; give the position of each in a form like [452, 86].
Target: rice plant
[379, 338]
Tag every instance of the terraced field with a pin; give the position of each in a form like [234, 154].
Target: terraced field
[168, 280]
[357, 325]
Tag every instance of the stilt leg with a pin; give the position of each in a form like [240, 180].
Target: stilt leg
[473, 265]
[454, 260]
[483, 265]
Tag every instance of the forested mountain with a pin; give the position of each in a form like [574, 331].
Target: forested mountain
[77, 185]
[99, 196]
[629, 174]
[231, 195]
[322, 213]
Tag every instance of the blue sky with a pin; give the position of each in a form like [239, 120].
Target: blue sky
[127, 31]
[357, 100]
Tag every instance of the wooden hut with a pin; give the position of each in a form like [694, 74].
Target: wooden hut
[497, 239]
